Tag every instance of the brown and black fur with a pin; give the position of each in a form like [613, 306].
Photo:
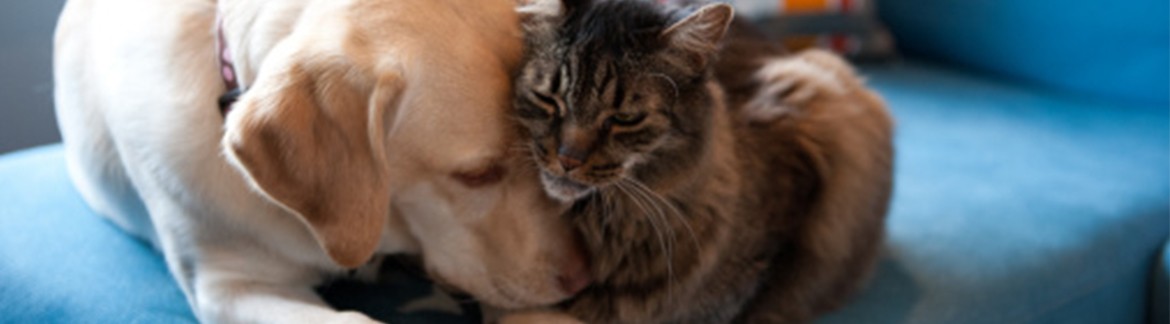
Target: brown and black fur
[722, 218]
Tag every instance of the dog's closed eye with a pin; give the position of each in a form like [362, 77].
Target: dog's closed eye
[482, 177]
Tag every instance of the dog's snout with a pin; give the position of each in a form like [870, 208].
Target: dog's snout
[575, 275]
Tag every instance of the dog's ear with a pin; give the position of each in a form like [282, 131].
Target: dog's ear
[314, 145]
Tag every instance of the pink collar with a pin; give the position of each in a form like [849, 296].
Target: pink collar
[227, 70]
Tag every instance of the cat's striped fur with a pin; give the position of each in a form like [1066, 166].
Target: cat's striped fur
[692, 212]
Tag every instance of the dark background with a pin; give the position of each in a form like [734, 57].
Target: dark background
[26, 75]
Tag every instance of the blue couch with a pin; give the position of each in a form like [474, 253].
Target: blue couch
[1024, 194]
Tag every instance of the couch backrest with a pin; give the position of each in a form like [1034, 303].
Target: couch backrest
[1115, 49]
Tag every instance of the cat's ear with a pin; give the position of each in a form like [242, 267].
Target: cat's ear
[695, 39]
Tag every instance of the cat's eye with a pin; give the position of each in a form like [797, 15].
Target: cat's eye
[627, 118]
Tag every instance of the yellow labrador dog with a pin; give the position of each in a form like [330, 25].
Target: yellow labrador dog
[368, 127]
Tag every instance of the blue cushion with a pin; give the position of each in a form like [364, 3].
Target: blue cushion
[1011, 205]
[1114, 49]
[61, 263]
[1014, 205]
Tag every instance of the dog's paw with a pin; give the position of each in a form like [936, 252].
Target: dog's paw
[788, 83]
[352, 318]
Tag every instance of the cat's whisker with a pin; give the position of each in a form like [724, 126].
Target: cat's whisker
[646, 196]
[600, 206]
[674, 210]
[660, 221]
[658, 216]
[641, 203]
[608, 202]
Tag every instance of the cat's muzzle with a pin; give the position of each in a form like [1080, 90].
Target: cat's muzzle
[563, 188]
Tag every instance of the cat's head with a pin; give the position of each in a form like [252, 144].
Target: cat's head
[609, 85]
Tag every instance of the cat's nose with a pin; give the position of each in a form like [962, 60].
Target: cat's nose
[574, 148]
[570, 158]
[569, 163]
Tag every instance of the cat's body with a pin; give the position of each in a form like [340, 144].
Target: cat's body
[693, 210]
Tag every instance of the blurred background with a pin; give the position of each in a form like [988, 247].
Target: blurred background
[1031, 175]
[26, 80]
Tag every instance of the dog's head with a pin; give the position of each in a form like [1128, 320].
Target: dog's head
[381, 116]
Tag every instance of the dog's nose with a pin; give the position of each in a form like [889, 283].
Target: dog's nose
[575, 274]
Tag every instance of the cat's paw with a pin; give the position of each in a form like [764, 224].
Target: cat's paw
[788, 83]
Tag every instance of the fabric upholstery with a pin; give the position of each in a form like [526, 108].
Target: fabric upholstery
[1016, 205]
[1116, 50]
[1011, 205]
[61, 263]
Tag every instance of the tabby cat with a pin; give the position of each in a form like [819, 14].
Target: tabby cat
[765, 204]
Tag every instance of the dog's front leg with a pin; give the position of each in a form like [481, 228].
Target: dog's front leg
[244, 300]
[230, 275]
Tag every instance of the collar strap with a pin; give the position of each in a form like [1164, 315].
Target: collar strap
[227, 70]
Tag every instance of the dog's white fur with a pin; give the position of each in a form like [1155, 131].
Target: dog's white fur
[360, 116]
